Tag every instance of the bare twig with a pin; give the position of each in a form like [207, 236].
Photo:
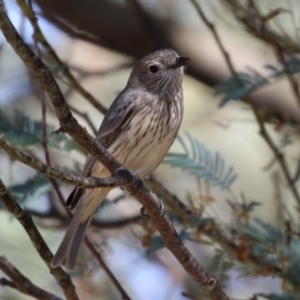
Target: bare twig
[86, 117]
[297, 173]
[256, 24]
[84, 73]
[122, 177]
[150, 201]
[113, 224]
[212, 28]
[56, 60]
[62, 278]
[278, 154]
[22, 283]
[106, 269]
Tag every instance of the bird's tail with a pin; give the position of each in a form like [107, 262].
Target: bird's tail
[69, 247]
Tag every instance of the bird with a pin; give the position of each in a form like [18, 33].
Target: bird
[138, 129]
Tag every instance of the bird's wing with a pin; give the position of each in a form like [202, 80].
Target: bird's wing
[117, 117]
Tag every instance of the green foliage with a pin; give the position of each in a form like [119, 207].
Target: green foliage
[221, 263]
[271, 245]
[31, 189]
[21, 130]
[200, 162]
[284, 296]
[242, 84]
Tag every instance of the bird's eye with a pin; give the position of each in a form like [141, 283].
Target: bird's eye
[153, 69]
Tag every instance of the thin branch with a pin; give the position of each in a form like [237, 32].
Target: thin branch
[120, 178]
[57, 61]
[22, 283]
[113, 224]
[212, 28]
[209, 228]
[84, 73]
[256, 24]
[106, 269]
[170, 200]
[61, 277]
[150, 201]
[86, 117]
[297, 173]
[278, 154]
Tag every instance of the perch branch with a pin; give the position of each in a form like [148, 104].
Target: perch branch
[57, 61]
[22, 283]
[61, 277]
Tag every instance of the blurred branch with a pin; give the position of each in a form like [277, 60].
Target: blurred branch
[263, 131]
[106, 269]
[86, 117]
[120, 178]
[279, 48]
[56, 60]
[277, 153]
[61, 277]
[114, 224]
[256, 24]
[83, 73]
[210, 229]
[70, 125]
[22, 283]
[212, 28]
[169, 199]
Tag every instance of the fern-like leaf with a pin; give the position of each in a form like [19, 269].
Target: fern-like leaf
[21, 130]
[221, 263]
[284, 296]
[31, 189]
[242, 84]
[200, 162]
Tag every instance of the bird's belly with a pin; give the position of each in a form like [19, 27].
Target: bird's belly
[143, 148]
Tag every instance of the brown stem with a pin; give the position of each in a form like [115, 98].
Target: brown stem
[212, 28]
[86, 117]
[22, 283]
[57, 61]
[61, 277]
[106, 269]
[113, 224]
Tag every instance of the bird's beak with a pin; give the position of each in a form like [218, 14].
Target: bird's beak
[180, 61]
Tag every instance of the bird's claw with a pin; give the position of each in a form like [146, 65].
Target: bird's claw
[162, 211]
[137, 183]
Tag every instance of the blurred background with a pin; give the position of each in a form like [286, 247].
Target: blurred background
[99, 41]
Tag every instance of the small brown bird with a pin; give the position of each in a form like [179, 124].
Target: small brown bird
[138, 130]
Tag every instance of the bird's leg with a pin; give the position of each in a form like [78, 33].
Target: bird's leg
[137, 183]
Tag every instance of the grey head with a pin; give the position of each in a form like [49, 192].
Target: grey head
[158, 72]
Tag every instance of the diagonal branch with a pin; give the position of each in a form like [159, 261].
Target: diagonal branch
[22, 283]
[121, 176]
[61, 277]
[149, 200]
[56, 60]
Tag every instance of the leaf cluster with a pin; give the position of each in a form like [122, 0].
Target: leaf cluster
[198, 161]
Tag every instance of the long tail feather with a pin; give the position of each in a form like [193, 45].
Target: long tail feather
[68, 250]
